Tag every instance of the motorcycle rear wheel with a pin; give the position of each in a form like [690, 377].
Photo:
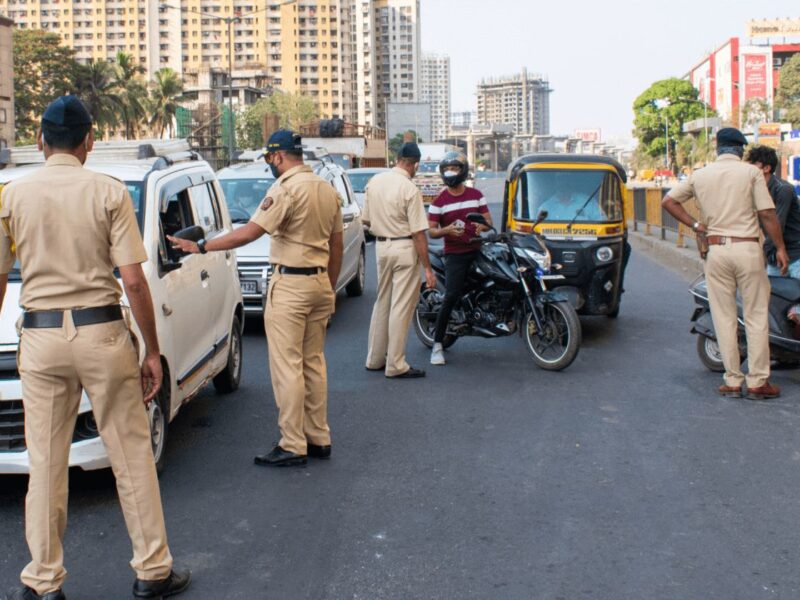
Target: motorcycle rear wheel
[429, 302]
[710, 356]
[556, 346]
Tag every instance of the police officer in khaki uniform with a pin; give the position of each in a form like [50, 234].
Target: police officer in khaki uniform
[303, 215]
[395, 214]
[733, 198]
[69, 228]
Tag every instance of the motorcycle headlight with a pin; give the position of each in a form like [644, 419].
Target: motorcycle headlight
[604, 254]
[541, 259]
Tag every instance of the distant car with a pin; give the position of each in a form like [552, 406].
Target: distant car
[359, 178]
[245, 186]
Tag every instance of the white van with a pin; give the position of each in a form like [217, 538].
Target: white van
[197, 299]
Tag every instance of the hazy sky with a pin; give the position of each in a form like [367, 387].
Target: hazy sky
[598, 54]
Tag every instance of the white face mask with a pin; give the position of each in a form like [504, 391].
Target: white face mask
[451, 173]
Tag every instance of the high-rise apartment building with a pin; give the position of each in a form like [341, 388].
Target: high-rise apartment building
[436, 91]
[522, 101]
[6, 84]
[386, 56]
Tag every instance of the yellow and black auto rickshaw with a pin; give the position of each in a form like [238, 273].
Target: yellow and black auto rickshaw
[585, 229]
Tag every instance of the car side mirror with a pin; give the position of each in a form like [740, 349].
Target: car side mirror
[195, 233]
[478, 218]
[542, 216]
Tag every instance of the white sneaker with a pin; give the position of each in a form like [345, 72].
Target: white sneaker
[437, 355]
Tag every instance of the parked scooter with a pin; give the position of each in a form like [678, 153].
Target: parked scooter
[784, 332]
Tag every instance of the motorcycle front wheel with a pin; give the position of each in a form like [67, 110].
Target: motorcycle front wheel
[556, 345]
[430, 301]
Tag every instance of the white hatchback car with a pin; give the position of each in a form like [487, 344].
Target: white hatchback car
[245, 186]
[198, 304]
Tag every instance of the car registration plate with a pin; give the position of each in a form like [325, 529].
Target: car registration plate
[249, 287]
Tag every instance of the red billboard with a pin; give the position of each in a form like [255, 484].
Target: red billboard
[756, 76]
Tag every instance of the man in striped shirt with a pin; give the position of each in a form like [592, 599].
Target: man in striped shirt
[447, 217]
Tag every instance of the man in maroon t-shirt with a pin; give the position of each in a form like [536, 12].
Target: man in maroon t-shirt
[447, 217]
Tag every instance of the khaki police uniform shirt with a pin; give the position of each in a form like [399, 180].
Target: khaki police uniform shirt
[393, 205]
[729, 193]
[71, 227]
[300, 212]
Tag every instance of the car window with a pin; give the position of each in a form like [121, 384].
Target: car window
[244, 196]
[204, 209]
[341, 187]
[178, 215]
[360, 181]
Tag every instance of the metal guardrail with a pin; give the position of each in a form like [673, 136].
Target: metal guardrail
[647, 211]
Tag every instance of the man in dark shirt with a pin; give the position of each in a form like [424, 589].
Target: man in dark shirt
[786, 205]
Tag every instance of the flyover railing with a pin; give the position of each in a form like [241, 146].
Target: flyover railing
[646, 213]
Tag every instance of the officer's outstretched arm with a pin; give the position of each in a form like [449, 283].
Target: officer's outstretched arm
[235, 239]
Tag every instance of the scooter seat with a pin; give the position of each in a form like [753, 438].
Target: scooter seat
[787, 288]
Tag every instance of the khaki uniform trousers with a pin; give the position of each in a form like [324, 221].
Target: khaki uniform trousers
[295, 319]
[398, 294]
[55, 364]
[729, 267]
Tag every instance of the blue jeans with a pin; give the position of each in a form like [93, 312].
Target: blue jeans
[794, 270]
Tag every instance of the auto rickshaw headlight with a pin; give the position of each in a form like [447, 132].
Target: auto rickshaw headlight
[604, 254]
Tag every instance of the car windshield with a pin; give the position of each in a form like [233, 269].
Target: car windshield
[134, 189]
[585, 196]
[428, 167]
[360, 181]
[244, 196]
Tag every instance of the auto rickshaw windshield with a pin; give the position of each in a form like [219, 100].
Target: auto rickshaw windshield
[582, 196]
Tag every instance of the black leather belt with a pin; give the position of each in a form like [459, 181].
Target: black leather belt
[391, 239]
[300, 270]
[42, 319]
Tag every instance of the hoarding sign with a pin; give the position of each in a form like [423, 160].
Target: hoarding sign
[756, 76]
[587, 135]
[773, 28]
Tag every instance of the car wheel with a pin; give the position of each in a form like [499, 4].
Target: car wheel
[356, 287]
[158, 421]
[227, 380]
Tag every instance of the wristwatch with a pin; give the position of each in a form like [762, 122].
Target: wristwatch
[696, 225]
[201, 245]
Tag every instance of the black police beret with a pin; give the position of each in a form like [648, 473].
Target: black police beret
[730, 136]
[67, 111]
[410, 150]
[284, 139]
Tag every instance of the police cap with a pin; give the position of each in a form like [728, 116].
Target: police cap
[730, 136]
[284, 139]
[411, 151]
[67, 111]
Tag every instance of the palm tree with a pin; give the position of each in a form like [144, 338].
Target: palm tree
[97, 88]
[165, 88]
[132, 91]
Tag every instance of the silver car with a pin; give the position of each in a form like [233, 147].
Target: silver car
[359, 178]
[245, 186]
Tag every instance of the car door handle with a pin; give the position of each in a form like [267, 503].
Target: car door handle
[227, 253]
[166, 310]
[204, 275]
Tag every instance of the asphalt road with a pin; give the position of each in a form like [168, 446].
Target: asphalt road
[624, 477]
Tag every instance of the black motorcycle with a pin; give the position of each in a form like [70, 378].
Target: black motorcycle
[784, 334]
[506, 291]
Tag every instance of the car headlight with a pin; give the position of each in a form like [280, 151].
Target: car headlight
[604, 254]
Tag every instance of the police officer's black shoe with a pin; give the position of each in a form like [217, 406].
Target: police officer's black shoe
[315, 451]
[412, 373]
[27, 593]
[279, 457]
[173, 585]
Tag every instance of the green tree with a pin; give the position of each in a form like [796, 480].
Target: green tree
[162, 106]
[788, 97]
[43, 70]
[249, 125]
[132, 91]
[397, 141]
[660, 112]
[293, 110]
[97, 88]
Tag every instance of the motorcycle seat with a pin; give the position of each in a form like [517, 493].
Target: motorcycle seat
[787, 288]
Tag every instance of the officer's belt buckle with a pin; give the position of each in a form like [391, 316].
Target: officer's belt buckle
[723, 240]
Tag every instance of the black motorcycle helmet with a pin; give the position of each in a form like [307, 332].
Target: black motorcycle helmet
[456, 167]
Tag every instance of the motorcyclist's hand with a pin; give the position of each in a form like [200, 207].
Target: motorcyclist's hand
[152, 375]
[454, 230]
[480, 228]
[430, 278]
[782, 259]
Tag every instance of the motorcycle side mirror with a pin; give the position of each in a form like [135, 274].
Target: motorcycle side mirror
[194, 233]
[478, 218]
